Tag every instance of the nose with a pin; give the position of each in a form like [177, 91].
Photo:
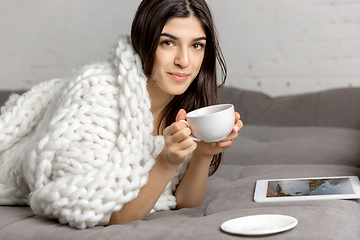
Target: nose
[183, 58]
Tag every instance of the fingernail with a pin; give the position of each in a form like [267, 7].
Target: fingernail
[236, 129]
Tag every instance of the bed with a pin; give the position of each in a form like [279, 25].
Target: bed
[304, 135]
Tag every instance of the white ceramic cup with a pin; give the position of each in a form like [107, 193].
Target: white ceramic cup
[212, 123]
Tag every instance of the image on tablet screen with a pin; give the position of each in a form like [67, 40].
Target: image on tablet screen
[310, 187]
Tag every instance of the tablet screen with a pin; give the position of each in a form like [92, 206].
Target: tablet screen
[309, 187]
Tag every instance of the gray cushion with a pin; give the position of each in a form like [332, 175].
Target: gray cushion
[331, 108]
[294, 145]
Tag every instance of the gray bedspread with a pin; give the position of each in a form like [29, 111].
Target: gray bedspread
[283, 146]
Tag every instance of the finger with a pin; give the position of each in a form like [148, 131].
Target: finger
[237, 116]
[238, 125]
[182, 135]
[224, 144]
[181, 115]
[188, 143]
[174, 128]
[184, 153]
[181, 147]
[231, 136]
[185, 145]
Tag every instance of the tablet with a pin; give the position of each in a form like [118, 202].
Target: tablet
[300, 189]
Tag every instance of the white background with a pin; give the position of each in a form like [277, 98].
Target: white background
[278, 47]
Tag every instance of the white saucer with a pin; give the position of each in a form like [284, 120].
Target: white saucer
[259, 224]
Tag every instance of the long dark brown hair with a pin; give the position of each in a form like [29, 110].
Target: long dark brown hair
[149, 20]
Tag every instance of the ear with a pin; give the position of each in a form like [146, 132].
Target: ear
[181, 115]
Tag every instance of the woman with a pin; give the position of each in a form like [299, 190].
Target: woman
[178, 48]
[82, 149]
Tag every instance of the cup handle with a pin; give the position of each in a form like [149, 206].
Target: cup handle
[191, 135]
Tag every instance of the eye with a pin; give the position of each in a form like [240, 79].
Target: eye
[198, 46]
[168, 43]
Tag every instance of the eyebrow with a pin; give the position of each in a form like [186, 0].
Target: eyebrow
[176, 38]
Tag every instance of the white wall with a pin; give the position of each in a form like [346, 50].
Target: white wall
[44, 39]
[278, 47]
[286, 46]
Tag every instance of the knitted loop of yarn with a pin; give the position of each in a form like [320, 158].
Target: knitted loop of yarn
[81, 147]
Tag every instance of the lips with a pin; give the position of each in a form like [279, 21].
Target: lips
[179, 77]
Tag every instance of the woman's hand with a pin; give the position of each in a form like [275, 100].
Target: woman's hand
[210, 149]
[178, 144]
[177, 148]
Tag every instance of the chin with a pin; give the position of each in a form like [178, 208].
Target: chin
[178, 91]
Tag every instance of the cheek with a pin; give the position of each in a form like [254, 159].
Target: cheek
[162, 58]
[198, 61]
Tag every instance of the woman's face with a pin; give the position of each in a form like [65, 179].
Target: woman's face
[178, 57]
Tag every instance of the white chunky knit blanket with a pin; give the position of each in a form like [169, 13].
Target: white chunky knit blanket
[77, 149]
